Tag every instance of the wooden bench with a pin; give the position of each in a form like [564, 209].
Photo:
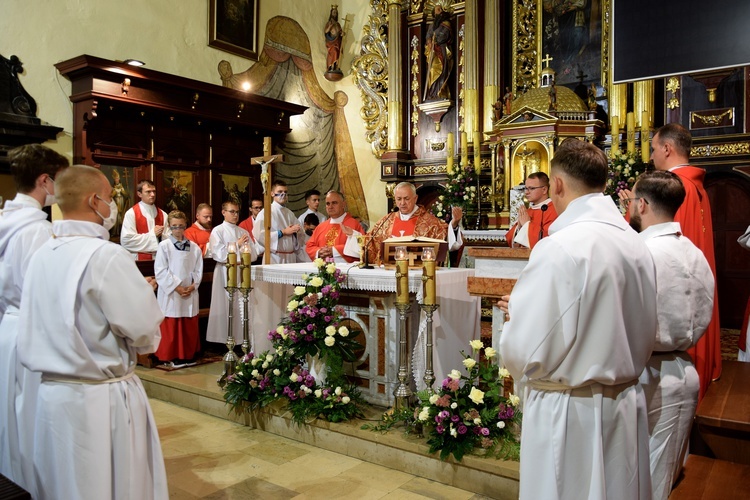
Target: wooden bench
[705, 478]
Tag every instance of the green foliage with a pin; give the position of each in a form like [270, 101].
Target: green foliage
[624, 169]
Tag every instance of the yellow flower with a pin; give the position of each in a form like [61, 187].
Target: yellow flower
[330, 330]
[424, 414]
[503, 373]
[316, 281]
[455, 374]
[434, 398]
[330, 341]
[293, 377]
[319, 262]
[343, 331]
[292, 305]
[489, 352]
[469, 363]
[299, 290]
[331, 268]
[279, 329]
[514, 400]
[476, 344]
[476, 395]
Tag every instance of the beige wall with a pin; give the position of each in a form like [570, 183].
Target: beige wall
[170, 36]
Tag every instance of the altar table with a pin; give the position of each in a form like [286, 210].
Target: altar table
[369, 300]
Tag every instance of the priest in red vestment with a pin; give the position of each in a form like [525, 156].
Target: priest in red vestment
[533, 222]
[143, 224]
[671, 145]
[200, 231]
[412, 220]
[331, 236]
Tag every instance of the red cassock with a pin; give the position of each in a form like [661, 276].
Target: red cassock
[198, 236]
[331, 235]
[539, 220]
[694, 217]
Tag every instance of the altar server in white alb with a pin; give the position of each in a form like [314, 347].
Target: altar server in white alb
[684, 305]
[23, 229]
[86, 312]
[582, 327]
[228, 232]
[179, 269]
[286, 231]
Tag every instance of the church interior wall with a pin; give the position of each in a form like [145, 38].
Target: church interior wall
[171, 36]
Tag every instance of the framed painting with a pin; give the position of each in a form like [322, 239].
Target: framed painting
[233, 26]
[123, 194]
[235, 188]
[575, 34]
[177, 191]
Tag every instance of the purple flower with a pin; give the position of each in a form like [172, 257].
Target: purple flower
[310, 327]
[462, 429]
[485, 431]
[327, 319]
[334, 295]
[444, 414]
[440, 429]
[323, 310]
[325, 289]
[455, 419]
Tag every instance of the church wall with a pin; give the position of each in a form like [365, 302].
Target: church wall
[170, 36]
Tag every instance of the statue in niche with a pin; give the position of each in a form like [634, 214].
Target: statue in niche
[438, 53]
[528, 162]
[508, 101]
[552, 97]
[334, 36]
[497, 109]
[121, 198]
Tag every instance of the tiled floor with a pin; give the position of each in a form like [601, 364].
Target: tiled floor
[208, 457]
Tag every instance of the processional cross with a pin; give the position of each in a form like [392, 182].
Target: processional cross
[265, 163]
[546, 61]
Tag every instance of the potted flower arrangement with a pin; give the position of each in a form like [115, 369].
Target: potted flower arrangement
[624, 169]
[312, 329]
[468, 411]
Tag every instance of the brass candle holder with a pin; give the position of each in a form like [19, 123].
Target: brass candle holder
[403, 392]
[230, 358]
[429, 307]
[429, 373]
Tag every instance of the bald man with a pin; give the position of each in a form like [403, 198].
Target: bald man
[86, 313]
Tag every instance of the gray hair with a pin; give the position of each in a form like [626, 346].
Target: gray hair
[406, 185]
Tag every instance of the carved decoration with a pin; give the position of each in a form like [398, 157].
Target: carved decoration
[728, 149]
[370, 74]
[525, 45]
[673, 86]
[712, 118]
[414, 85]
[461, 79]
[430, 169]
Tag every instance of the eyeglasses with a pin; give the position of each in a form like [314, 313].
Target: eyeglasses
[233, 212]
[177, 228]
[532, 188]
[626, 201]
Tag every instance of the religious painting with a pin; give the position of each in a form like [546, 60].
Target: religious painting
[236, 188]
[178, 191]
[233, 26]
[574, 33]
[123, 193]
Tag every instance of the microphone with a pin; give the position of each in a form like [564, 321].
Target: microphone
[367, 244]
[543, 208]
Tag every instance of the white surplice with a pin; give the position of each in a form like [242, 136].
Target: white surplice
[684, 305]
[142, 243]
[173, 268]
[744, 355]
[581, 329]
[221, 236]
[86, 312]
[23, 229]
[286, 249]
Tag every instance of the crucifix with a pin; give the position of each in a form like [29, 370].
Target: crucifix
[546, 61]
[265, 162]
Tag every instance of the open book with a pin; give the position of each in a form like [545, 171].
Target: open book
[412, 239]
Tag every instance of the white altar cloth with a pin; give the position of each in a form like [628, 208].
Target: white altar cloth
[455, 323]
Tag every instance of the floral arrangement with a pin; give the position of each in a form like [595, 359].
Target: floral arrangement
[468, 411]
[624, 169]
[460, 190]
[311, 329]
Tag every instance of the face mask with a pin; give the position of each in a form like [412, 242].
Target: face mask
[309, 232]
[107, 222]
[49, 200]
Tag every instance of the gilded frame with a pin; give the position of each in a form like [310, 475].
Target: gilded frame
[233, 26]
[527, 41]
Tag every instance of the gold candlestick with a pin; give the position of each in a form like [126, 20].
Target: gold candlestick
[231, 265]
[402, 276]
[245, 266]
[428, 276]
[615, 135]
[631, 132]
[450, 147]
[477, 153]
[464, 150]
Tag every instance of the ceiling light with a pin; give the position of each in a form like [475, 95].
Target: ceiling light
[134, 62]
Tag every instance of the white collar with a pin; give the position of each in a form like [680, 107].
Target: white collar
[196, 224]
[27, 201]
[535, 206]
[662, 229]
[150, 209]
[338, 220]
[408, 216]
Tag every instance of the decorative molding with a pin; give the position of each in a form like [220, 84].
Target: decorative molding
[728, 149]
[370, 74]
[461, 80]
[430, 169]
[414, 85]
[673, 86]
[524, 45]
[723, 117]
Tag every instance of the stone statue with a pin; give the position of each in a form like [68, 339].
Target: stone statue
[333, 34]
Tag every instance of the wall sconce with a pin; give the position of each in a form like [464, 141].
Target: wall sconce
[246, 86]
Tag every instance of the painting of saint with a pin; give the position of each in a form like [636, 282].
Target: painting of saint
[236, 188]
[178, 191]
[123, 187]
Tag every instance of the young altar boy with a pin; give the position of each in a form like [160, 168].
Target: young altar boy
[178, 268]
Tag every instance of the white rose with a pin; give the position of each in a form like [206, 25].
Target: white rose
[454, 432]
[277, 372]
[331, 268]
[255, 361]
[343, 331]
[319, 262]
[318, 393]
[476, 344]
[503, 373]
[514, 400]
[280, 329]
[264, 365]
[455, 374]
[330, 341]
[454, 405]
[337, 391]
[424, 414]
[500, 424]
[330, 330]
[304, 277]
[239, 374]
[255, 373]
[345, 400]
[292, 305]
[316, 281]
[306, 389]
[434, 398]
[299, 290]
[294, 377]
[269, 358]
[477, 421]
[469, 363]
[476, 395]
[489, 352]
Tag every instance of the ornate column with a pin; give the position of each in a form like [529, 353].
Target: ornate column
[395, 71]
[491, 57]
[472, 118]
[643, 102]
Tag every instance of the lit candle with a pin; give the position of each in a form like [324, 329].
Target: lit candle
[428, 276]
[245, 266]
[477, 152]
[449, 147]
[631, 132]
[645, 138]
[615, 134]
[231, 265]
[402, 276]
[464, 150]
